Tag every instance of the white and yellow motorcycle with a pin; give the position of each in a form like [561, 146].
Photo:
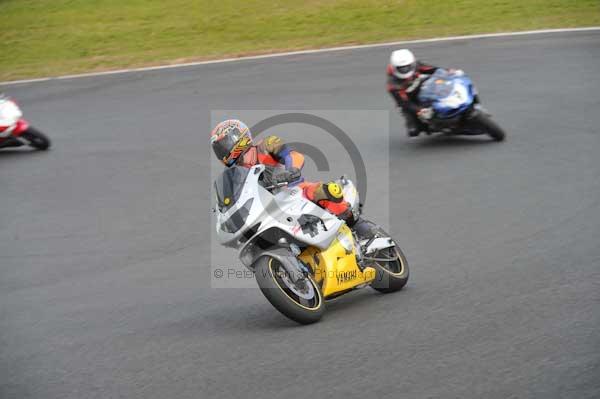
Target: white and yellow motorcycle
[302, 255]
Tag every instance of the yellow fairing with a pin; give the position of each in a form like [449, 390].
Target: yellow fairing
[335, 268]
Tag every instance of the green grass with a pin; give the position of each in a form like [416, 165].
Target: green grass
[53, 37]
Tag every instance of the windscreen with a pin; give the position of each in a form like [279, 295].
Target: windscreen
[229, 186]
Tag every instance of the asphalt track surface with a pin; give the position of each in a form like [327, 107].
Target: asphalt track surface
[104, 271]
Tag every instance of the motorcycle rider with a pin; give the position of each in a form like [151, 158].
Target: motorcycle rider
[232, 143]
[405, 76]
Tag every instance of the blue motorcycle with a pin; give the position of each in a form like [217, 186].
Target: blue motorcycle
[456, 109]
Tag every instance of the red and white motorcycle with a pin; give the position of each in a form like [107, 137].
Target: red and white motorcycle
[16, 131]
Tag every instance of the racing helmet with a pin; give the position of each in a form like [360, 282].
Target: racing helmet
[229, 139]
[403, 63]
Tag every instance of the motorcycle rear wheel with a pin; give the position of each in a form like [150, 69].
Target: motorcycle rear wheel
[302, 304]
[36, 139]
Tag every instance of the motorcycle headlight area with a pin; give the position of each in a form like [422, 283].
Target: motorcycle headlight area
[457, 97]
[238, 218]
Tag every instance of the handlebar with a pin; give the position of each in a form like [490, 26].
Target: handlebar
[282, 184]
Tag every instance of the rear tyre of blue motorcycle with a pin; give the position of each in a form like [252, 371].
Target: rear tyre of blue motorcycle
[36, 139]
[301, 302]
[489, 126]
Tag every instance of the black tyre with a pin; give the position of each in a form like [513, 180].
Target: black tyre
[486, 124]
[390, 263]
[302, 303]
[36, 139]
[393, 275]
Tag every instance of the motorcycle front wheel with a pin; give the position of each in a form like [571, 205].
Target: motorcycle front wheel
[301, 301]
[486, 124]
[392, 270]
[391, 266]
[36, 139]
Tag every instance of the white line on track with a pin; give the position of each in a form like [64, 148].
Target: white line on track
[301, 52]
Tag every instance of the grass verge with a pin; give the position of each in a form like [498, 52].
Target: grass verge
[54, 37]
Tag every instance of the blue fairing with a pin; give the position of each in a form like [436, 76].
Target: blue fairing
[449, 94]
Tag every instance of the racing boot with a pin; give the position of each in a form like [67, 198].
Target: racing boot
[413, 125]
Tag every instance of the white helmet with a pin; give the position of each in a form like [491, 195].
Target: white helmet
[403, 63]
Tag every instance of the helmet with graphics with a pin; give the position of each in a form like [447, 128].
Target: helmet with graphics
[229, 140]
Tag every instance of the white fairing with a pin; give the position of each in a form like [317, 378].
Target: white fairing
[457, 97]
[9, 115]
[350, 195]
[281, 210]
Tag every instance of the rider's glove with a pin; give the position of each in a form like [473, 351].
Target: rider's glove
[290, 175]
[425, 114]
[279, 175]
